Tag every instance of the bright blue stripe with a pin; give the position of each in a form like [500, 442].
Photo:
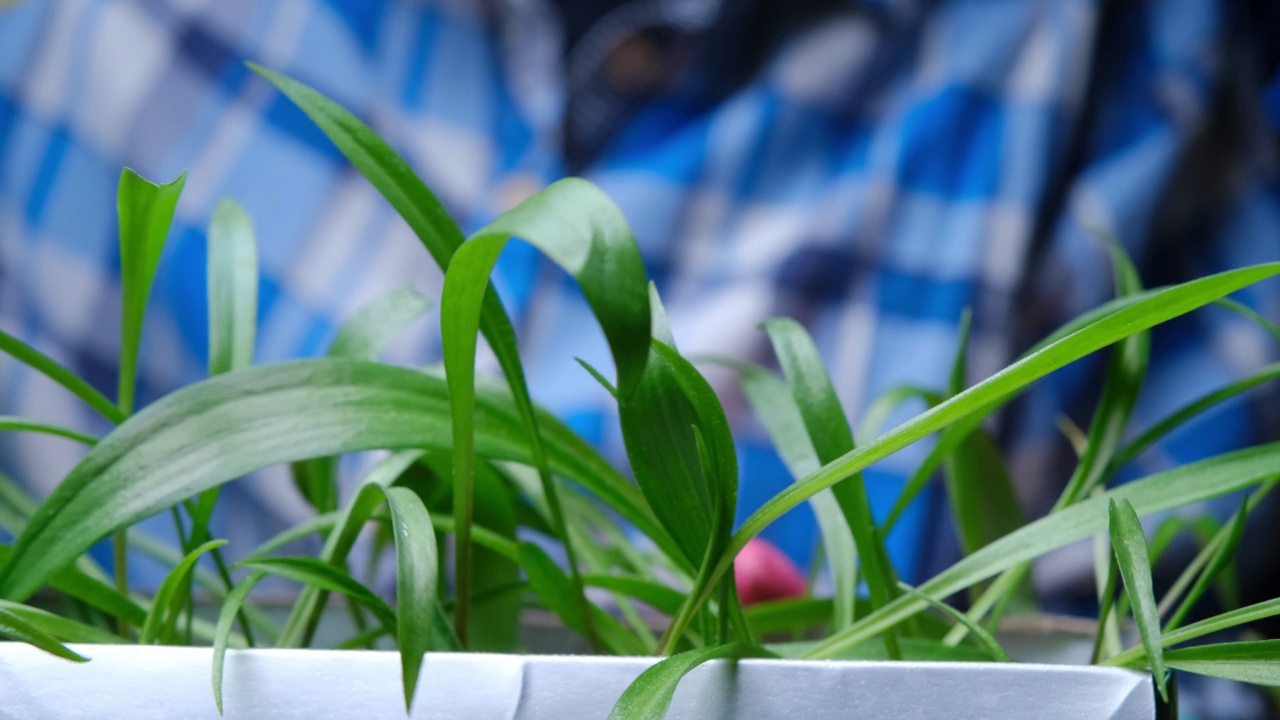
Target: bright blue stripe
[363, 18]
[922, 298]
[952, 145]
[42, 186]
[413, 93]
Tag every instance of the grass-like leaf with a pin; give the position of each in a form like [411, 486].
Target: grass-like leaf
[145, 210]
[232, 287]
[1208, 626]
[829, 431]
[649, 696]
[305, 615]
[222, 634]
[319, 574]
[984, 637]
[367, 333]
[1219, 559]
[556, 592]
[1152, 309]
[775, 406]
[50, 368]
[164, 606]
[64, 629]
[1187, 412]
[1256, 662]
[579, 229]
[15, 627]
[1182, 486]
[225, 427]
[416, 568]
[393, 177]
[9, 422]
[1130, 547]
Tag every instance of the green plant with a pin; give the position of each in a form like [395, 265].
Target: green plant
[478, 460]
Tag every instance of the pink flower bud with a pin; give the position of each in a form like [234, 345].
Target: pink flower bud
[763, 572]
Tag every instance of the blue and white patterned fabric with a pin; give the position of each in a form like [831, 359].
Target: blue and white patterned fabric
[870, 168]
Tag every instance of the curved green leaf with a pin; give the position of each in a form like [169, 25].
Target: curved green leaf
[222, 634]
[649, 696]
[1130, 547]
[305, 615]
[48, 367]
[64, 629]
[367, 334]
[9, 422]
[164, 606]
[987, 639]
[392, 176]
[416, 567]
[1256, 662]
[15, 627]
[232, 288]
[828, 429]
[225, 427]
[775, 407]
[578, 228]
[1152, 309]
[1182, 486]
[146, 211]
[317, 573]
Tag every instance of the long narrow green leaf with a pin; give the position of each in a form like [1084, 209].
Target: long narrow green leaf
[367, 333]
[15, 627]
[775, 407]
[225, 427]
[392, 176]
[829, 430]
[556, 593]
[48, 367]
[1126, 369]
[416, 566]
[363, 336]
[1183, 486]
[1191, 410]
[311, 526]
[232, 288]
[64, 629]
[984, 637]
[650, 695]
[654, 594]
[305, 615]
[317, 573]
[576, 226]
[1249, 313]
[1130, 547]
[1208, 626]
[1219, 560]
[1256, 662]
[1153, 309]
[9, 422]
[164, 606]
[222, 635]
[146, 211]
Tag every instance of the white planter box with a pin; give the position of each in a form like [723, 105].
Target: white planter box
[167, 683]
